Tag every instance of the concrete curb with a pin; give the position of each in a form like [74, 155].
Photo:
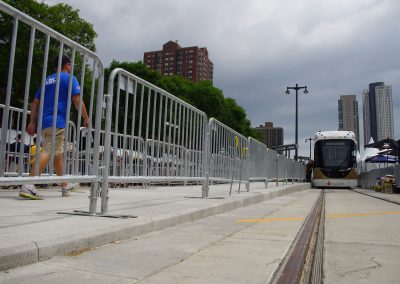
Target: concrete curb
[44, 249]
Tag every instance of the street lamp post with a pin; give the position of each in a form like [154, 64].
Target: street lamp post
[309, 139]
[296, 88]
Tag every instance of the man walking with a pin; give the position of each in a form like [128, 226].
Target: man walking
[27, 190]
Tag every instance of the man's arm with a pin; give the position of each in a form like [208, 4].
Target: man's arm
[32, 122]
[75, 101]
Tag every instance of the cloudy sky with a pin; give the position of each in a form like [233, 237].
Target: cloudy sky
[259, 47]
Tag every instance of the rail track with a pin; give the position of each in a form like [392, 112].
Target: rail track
[304, 260]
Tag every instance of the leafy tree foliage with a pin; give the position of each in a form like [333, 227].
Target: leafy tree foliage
[62, 18]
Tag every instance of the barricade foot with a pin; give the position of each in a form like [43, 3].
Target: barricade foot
[86, 213]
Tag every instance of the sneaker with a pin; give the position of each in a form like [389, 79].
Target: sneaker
[71, 187]
[28, 191]
[74, 187]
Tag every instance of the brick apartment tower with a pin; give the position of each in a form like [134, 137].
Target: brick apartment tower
[191, 63]
[270, 135]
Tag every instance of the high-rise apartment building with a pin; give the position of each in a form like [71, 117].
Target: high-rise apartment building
[348, 115]
[191, 63]
[378, 112]
[270, 135]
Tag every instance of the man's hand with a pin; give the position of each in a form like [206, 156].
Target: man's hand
[31, 128]
[75, 100]
[86, 122]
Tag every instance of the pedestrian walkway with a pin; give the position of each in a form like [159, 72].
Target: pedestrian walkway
[31, 231]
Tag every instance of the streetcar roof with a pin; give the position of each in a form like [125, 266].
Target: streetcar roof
[322, 135]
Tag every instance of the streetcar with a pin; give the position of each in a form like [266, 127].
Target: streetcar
[335, 163]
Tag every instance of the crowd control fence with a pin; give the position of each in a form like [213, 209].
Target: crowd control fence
[153, 129]
[34, 52]
[267, 165]
[227, 152]
[261, 162]
[20, 154]
[138, 133]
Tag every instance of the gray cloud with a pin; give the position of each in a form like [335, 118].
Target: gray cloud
[259, 47]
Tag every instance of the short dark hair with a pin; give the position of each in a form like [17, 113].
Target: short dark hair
[64, 61]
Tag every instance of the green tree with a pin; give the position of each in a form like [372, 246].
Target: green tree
[60, 17]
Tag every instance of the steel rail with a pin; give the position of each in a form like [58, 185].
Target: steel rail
[292, 267]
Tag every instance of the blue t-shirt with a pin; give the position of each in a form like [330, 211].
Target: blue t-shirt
[49, 95]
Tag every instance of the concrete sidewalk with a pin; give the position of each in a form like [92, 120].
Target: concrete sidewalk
[31, 231]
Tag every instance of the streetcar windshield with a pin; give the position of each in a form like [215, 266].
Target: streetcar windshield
[334, 154]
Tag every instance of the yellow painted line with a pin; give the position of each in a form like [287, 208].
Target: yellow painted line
[266, 220]
[330, 216]
[335, 216]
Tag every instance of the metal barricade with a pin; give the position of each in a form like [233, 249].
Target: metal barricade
[16, 155]
[282, 169]
[273, 168]
[259, 161]
[45, 44]
[149, 136]
[267, 165]
[227, 157]
[299, 172]
[19, 155]
[172, 132]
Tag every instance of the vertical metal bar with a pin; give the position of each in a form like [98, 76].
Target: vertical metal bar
[153, 129]
[145, 164]
[116, 127]
[82, 86]
[27, 86]
[195, 128]
[183, 133]
[190, 138]
[95, 169]
[207, 154]
[180, 155]
[132, 136]
[174, 146]
[204, 146]
[8, 92]
[141, 112]
[91, 108]
[164, 162]
[134, 124]
[41, 104]
[169, 155]
[92, 90]
[67, 138]
[159, 162]
[186, 139]
[140, 126]
[55, 107]
[123, 152]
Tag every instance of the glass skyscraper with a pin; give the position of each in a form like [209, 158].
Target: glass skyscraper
[378, 112]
